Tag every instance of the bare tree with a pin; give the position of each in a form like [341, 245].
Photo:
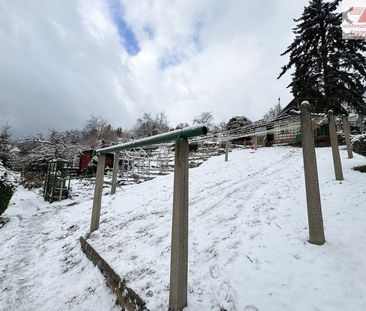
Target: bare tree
[36, 151]
[149, 125]
[95, 126]
[181, 126]
[221, 126]
[205, 118]
[98, 132]
[272, 113]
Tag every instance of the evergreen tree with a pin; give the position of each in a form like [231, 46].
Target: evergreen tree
[238, 121]
[5, 146]
[330, 72]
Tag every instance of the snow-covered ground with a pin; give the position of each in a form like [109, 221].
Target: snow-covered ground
[8, 176]
[42, 265]
[248, 246]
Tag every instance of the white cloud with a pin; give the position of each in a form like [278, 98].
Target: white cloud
[235, 68]
[63, 60]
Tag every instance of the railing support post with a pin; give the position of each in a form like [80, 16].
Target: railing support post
[315, 218]
[179, 243]
[347, 135]
[115, 172]
[98, 191]
[255, 141]
[226, 151]
[60, 194]
[335, 149]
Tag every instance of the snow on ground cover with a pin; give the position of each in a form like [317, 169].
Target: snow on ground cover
[358, 137]
[247, 240]
[248, 246]
[8, 176]
[2, 169]
[42, 265]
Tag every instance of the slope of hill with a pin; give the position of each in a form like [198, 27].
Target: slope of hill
[248, 235]
[248, 246]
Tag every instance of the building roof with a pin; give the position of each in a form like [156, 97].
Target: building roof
[291, 106]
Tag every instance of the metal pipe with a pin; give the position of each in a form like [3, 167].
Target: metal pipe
[187, 132]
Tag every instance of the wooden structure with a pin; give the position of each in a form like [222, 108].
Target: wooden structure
[357, 123]
[287, 130]
[86, 166]
[84, 159]
[286, 127]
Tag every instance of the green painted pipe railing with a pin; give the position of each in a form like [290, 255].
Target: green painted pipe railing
[187, 132]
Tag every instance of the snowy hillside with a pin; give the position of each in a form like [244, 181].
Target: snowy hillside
[248, 246]
[3, 171]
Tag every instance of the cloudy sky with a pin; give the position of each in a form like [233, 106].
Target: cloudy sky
[63, 61]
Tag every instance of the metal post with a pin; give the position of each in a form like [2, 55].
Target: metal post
[98, 191]
[115, 172]
[179, 243]
[347, 134]
[335, 149]
[226, 151]
[315, 218]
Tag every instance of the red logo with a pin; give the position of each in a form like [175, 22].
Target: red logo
[358, 11]
[354, 20]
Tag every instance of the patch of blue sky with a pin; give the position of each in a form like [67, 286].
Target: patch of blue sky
[196, 36]
[171, 59]
[176, 56]
[149, 31]
[127, 37]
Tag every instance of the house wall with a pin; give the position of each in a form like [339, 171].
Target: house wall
[260, 133]
[286, 129]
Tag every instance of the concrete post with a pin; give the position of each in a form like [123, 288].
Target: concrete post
[226, 151]
[335, 149]
[315, 218]
[98, 191]
[60, 194]
[347, 134]
[123, 167]
[179, 243]
[255, 141]
[115, 172]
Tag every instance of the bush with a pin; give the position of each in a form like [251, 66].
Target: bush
[6, 192]
[359, 144]
[31, 180]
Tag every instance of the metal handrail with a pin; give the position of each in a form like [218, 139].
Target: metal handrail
[187, 132]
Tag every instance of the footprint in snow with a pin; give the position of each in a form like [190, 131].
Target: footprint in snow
[214, 271]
